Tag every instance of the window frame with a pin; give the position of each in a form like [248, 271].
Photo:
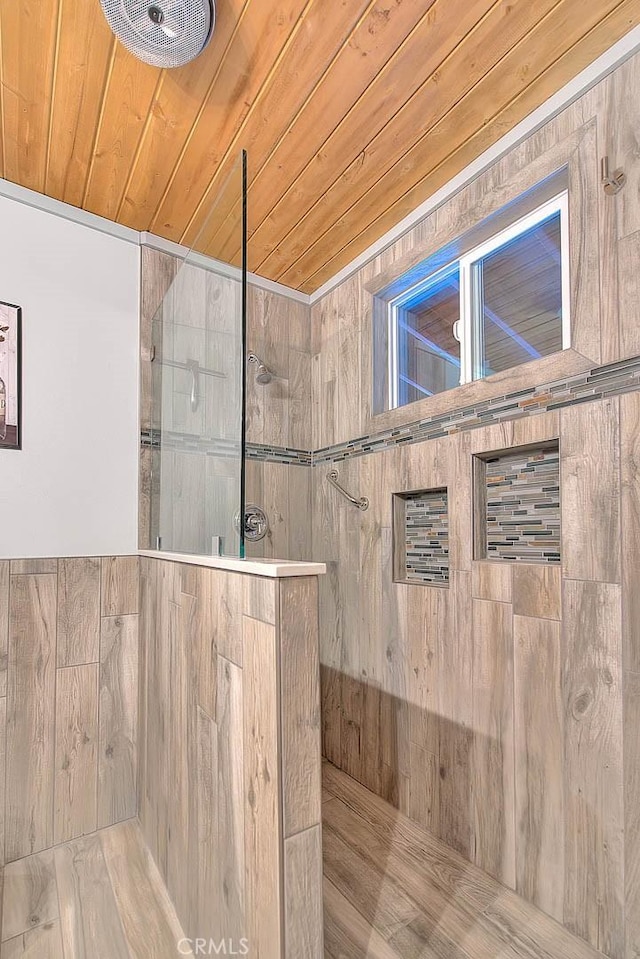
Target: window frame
[468, 328]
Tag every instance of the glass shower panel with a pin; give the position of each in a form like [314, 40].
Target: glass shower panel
[198, 379]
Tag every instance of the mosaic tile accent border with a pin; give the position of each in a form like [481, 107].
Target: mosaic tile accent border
[426, 537]
[190, 443]
[279, 454]
[210, 446]
[522, 506]
[611, 380]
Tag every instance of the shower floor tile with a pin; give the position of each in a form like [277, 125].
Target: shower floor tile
[392, 890]
[98, 897]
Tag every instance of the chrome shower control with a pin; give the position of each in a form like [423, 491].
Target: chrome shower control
[256, 523]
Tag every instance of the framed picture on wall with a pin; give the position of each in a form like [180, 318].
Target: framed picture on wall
[10, 376]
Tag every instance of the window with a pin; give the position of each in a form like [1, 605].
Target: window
[502, 303]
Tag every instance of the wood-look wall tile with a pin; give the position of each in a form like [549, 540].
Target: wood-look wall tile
[275, 501]
[139, 891]
[610, 314]
[491, 581]
[229, 787]
[146, 628]
[30, 894]
[76, 758]
[3, 782]
[90, 923]
[203, 650]
[157, 271]
[262, 826]
[631, 742]
[584, 243]
[493, 774]
[427, 628]
[628, 250]
[78, 611]
[455, 708]
[424, 792]
[351, 718]
[300, 703]
[537, 591]
[300, 371]
[460, 499]
[593, 774]
[180, 752]
[630, 469]
[303, 916]
[531, 430]
[539, 763]
[225, 596]
[33, 566]
[299, 513]
[120, 585]
[331, 708]
[259, 599]
[590, 491]
[625, 147]
[253, 486]
[159, 634]
[117, 798]
[147, 523]
[4, 624]
[204, 830]
[30, 715]
[43, 942]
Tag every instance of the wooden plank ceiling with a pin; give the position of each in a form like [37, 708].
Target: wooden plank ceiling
[353, 112]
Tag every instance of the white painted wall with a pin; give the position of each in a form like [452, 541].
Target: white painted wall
[73, 488]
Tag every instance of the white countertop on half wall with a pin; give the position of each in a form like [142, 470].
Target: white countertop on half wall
[274, 568]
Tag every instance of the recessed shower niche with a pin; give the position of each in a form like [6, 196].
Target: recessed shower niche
[517, 505]
[421, 537]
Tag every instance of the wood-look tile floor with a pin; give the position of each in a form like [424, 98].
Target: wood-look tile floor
[99, 897]
[394, 891]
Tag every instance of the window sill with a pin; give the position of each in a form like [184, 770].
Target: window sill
[537, 373]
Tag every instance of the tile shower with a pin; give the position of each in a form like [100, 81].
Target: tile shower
[451, 703]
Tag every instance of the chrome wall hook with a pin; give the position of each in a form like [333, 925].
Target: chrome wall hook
[613, 183]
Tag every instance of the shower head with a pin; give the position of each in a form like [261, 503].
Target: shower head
[263, 373]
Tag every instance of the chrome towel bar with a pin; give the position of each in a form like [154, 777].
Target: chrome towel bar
[362, 503]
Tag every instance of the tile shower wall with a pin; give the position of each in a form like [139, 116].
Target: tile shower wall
[278, 418]
[480, 710]
[68, 706]
[521, 499]
[457, 704]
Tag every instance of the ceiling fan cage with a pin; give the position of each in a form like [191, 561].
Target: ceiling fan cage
[163, 33]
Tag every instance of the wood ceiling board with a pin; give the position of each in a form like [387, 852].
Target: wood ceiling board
[252, 56]
[175, 109]
[126, 103]
[497, 35]
[29, 34]
[85, 48]
[287, 139]
[465, 132]
[325, 109]
[444, 28]
[309, 56]
[620, 22]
